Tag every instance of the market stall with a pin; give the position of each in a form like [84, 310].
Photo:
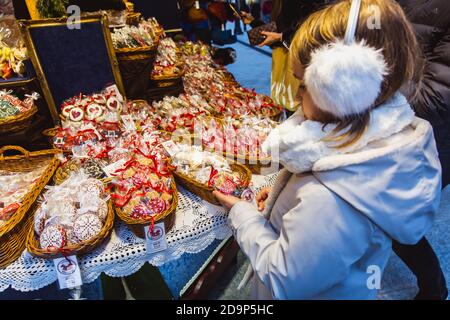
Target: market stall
[125, 181]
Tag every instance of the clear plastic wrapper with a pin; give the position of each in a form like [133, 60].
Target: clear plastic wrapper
[71, 212]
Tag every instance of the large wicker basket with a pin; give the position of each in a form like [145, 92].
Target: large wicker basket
[254, 164]
[133, 18]
[135, 65]
[13, 233]
[205, 192]
[18, 122]
[167, 81]
[167, 216]
[78, 249]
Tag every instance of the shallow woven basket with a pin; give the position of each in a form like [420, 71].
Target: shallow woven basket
[205, 192]
[254, 164]
[19, 122]
[13, 234]
[167, 216]
[275, 116]
[84, 247]
[50, 133]
[133, 18]
[167, 81]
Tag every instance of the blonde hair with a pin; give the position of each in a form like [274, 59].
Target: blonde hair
[395, 37]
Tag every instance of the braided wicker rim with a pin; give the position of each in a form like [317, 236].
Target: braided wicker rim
[59, 177]
[133, 18]
[204, 191]
[50, 133]
[18, 119]
[14, 242]
[13, 234]
[171, 77]
[32, 195]
[80, 248]
[144, 49]
[173, 206]
[249, 160]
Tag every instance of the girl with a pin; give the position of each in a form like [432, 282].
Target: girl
[359, 168]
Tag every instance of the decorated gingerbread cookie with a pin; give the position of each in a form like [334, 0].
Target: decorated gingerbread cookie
[87, 226]
[53, 236]
[76, 114]
[114, 105]
[94, 111]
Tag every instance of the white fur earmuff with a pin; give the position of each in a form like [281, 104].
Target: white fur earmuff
[345, 79]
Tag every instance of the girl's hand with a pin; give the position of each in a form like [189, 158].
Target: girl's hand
[227, 201]
[246, 17]
[261, 198]
[271, 38]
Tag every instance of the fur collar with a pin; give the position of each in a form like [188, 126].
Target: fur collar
[297, 143]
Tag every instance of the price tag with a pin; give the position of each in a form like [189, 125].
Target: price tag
[118, 94]
[156, 241]
[197, 5]
[128, 123]
[68, 272]
[111, 169]
[171, 147]
[80, 151]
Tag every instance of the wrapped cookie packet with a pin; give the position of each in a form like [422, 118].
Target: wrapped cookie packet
[71, 213]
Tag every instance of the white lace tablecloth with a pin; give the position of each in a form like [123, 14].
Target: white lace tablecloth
[198, 223]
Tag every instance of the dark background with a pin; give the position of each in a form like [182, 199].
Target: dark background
[165, 11]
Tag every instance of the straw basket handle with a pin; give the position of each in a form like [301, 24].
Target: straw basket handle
[17, 148]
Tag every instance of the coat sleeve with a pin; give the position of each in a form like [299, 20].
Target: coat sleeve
[433, 99]
[317, 244]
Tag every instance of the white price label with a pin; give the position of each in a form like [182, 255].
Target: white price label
[111, 170]
[197, 5]
[171, 147]
[116, 90]
[128, 123]
[68, 272]
[156, 240]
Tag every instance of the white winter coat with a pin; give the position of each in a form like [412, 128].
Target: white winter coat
[333, 212]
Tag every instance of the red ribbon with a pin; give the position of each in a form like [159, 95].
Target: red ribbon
[212, 174]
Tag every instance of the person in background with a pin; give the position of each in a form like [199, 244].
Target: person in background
[255, 10]
[245, 8]
[194, 20]
[288, 15]
[431, 22]
[267, 10]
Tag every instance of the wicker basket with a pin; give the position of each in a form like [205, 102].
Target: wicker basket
[13, 233]
[275, 116]
[167, 216]
[133, 18]
[19, 122]
[50, 134]
[135, 65]
[167, 81]
[63, 172]
[78, 249]
[254, 164]
[205, 192]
